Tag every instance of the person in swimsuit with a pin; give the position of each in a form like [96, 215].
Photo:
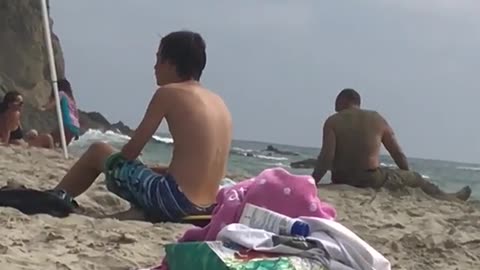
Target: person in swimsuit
[10, 127]
[70, 115]
[352, 139]
[201, 127]
[10, 111]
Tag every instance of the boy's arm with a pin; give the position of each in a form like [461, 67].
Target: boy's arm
[156, 110]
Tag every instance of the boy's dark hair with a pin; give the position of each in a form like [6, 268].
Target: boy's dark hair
[351, 95]
[9, 97]
[185, 50]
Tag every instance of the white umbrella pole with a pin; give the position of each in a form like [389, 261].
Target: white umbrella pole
[53, 74]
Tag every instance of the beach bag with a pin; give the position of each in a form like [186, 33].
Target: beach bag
[216, 255]
[56, 203]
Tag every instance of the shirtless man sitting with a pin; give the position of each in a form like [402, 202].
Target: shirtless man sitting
[352, 139]
[200, 124]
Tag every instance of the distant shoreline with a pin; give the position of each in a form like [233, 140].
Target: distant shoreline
[316, 148]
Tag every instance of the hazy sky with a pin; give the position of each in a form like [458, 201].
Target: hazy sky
[280, 64]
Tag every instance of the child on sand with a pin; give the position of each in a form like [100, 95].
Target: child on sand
[69, 110]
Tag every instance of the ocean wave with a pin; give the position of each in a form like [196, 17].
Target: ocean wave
[278, 164]
[270, 157]
[388, 165]
[95, 135]
[391, 165]
[98, 135]
[240, 150]
[253, 153]
[467, 168]
[166, 140]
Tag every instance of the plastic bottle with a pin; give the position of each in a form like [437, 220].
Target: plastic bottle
[261, 218]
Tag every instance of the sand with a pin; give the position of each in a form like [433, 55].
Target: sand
[412, 230]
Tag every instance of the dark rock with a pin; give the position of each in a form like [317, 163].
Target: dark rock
[275, 150]
[122, 128]
[95, 120]
[304, 164]
[23, 53]
[24, 67]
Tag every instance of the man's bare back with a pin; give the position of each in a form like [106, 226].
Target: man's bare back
[201, 127]
[359, 135]
[352, 139]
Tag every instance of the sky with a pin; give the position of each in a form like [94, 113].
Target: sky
[280, 64]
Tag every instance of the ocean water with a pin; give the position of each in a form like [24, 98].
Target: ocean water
[250, 158]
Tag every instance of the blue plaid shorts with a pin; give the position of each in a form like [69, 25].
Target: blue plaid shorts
[157, 195]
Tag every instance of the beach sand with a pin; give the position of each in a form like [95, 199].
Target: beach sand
[410, 229]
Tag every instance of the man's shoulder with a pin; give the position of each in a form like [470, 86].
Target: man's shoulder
[369, 111]
[374, 114]
[340, 116]
[332, 119]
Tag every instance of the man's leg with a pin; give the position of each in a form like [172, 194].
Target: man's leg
[434, 191]
[81, 176]
[42, 141]
[415, 180]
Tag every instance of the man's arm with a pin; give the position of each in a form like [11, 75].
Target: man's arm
[327, 154]
[393, 147]
[154, 115]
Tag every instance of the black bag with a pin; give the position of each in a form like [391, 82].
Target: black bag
[56, 203]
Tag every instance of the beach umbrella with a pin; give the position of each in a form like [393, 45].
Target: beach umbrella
[53, 74]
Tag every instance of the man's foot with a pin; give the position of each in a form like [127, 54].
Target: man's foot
[464, 193]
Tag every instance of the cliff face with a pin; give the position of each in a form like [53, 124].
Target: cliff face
[24, 63]
[23, 54]
[24, 60]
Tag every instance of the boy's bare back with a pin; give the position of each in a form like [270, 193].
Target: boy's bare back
[201, 127]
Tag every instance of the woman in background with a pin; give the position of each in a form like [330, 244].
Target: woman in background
[10, 110]
[69, 110]
[10, 127]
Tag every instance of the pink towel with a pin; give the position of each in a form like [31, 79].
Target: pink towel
[274, 189]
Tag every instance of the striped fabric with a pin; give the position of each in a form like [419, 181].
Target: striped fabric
[158, 195]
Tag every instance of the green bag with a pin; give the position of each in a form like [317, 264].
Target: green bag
[217, 256]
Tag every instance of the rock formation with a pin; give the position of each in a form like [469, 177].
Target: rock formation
[95, 120]
[304, 164]
[24, 64]
[273, 149]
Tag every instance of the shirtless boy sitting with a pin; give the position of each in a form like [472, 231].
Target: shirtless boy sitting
[200, 124]
[352, 139]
